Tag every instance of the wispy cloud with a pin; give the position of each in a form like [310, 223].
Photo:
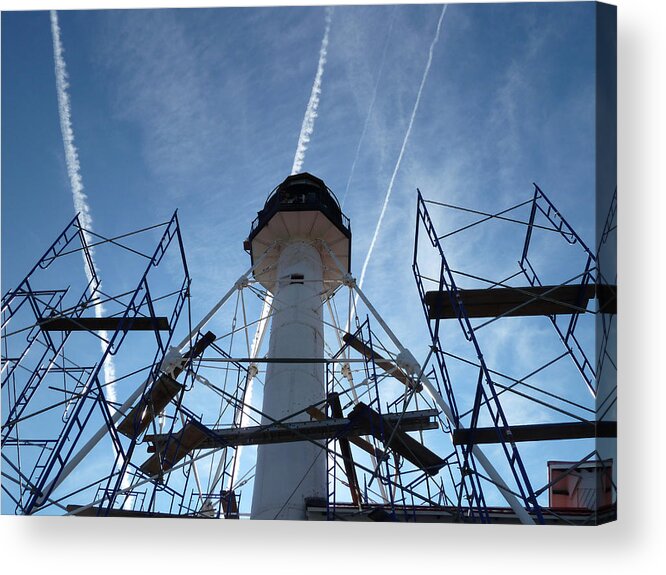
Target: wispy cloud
[76, 183]
[370, 108]
[313, 104]
[164, 84]
[387, 197]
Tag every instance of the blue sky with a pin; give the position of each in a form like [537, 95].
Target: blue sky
[201, 110]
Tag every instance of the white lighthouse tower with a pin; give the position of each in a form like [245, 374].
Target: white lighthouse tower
[295, 233]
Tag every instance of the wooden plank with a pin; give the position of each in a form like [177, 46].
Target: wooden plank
[139, 418]
[387, 365]
[514, 302]
[397, 440]
[327, 428]
[230, 505]
[104, 323]
[345, 450]
[366, 446]
[161, 393]
[176, 448]
[537, 432]
[95, 511]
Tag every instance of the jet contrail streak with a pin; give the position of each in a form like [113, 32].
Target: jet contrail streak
[404, 145]
[311, 111]
[372, 105]
[76, 182]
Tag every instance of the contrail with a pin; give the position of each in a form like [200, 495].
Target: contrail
[404, 145]
[311, 111]
[372, 105]
[76, 183]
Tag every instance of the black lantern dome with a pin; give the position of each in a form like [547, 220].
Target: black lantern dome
[302, 207]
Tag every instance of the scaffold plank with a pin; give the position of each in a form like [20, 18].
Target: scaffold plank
[139, 418]
[175, 448]
[509, 301]
[104, 323]
[196, 436]
[345, 450]
[366, 446]
[96, 511]
[230, 504]
[387, 365]
[164, 390]
[395, 438]
[537, 432]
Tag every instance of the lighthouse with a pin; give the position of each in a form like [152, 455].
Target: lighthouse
[300, 245]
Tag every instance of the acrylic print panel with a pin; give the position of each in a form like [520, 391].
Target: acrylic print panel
[316, 263]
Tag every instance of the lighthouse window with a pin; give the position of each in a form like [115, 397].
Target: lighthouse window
[293, 196]
[296, 278]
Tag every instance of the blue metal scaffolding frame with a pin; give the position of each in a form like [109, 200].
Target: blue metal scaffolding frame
[36, 477]
[471, 499]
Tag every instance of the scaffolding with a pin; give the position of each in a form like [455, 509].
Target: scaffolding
[398, 472]
[501, 319]
[162, 433]
[66, 363]
[404, 439]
